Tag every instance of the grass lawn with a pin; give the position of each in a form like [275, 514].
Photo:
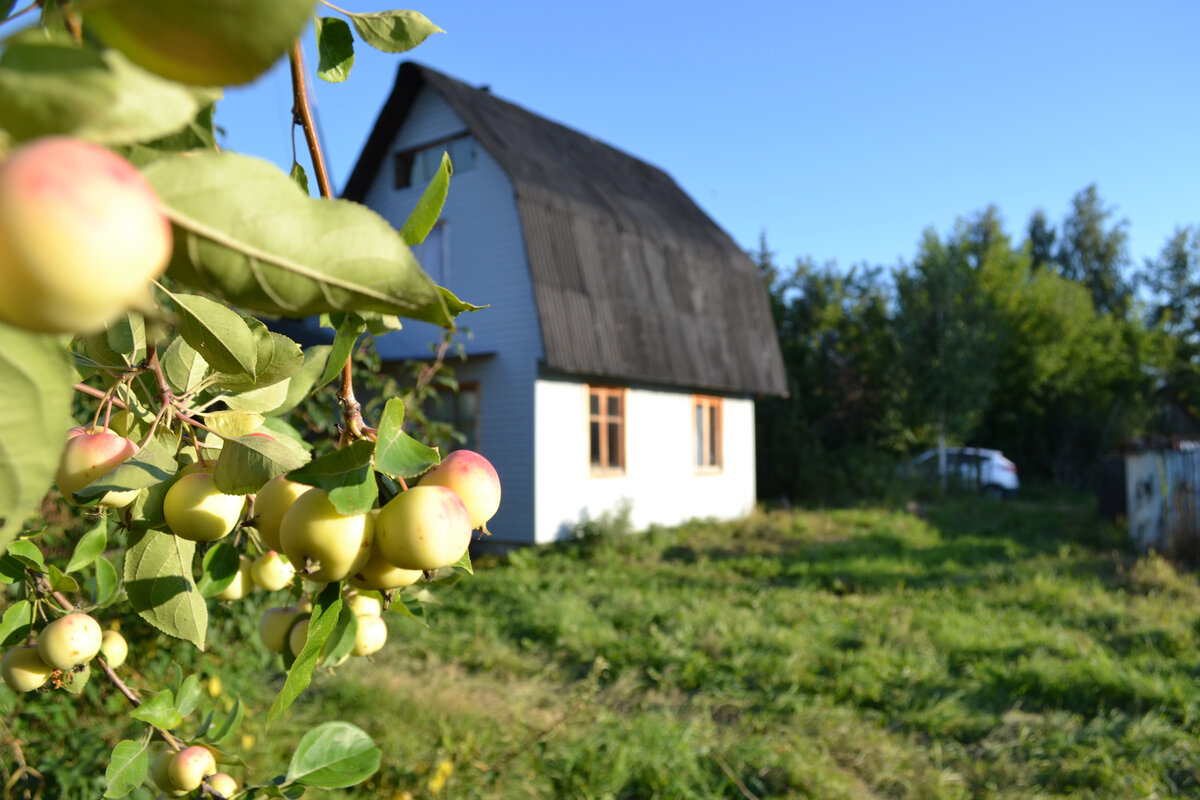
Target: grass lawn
[979, 649]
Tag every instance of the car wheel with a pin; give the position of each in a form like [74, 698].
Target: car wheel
[994, 491]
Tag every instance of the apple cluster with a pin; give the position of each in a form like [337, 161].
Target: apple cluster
[177, 773]
[63, 645]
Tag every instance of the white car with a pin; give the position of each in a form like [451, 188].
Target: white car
[987, 470]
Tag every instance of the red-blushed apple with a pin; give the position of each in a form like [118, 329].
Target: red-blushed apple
[69, 641]
[160, 774]
[322, 544]
[190, 766]
[24, 670]
[474, 479]
[379, 575]
[242, 583]
[273, 499]
[272, 571]
[114, 648]
[426, 527]
[82, 236]
[196, 510]
[370, 636]
[91, 453]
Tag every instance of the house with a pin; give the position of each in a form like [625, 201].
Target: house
[626, 337]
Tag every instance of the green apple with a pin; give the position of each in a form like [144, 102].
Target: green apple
[24, 670]
[242, 584]
[114, 648]
[200, 42]
[361, 604]
[273, 499]
[378, 574]
[272, 571]
[69, 641]
[82, 236]
[473, 478]
[160, 773]
[190, 766]
[297, 636]
[371, 635]
[275, 624]
[426, 527]
[196, 510]
[313, 534]
[223, 784]
[89, 454]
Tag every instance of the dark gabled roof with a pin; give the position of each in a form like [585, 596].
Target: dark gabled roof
[632, 280]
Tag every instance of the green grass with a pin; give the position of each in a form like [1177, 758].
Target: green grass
[978, 649]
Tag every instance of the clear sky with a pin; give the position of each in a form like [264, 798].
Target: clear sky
[841, 129]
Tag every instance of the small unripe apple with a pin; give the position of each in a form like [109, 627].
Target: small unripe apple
[361, 604]
[426, 527]
[272, 571]
[224, 784]
[24, 670]
[297, 636]
[274, 625]
[82, 235]
[91, 453]
[70, 641]
[242, 584]
[160, 773]
[196, 510]
[314, 534]
[190, 767]
[473, 478]
[379, 575]
[371, 635]
[114, 648]
[273, 499]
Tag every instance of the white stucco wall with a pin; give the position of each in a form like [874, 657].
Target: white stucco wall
[660, 481]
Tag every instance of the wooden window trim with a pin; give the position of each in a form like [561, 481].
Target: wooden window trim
[610, 464]
[709, 456]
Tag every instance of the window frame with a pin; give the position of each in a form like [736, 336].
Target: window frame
[708, 451]
[608, 465]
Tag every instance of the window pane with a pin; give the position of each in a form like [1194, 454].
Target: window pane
[462, 154]
[403, 166]
[614, 405]
[466, 407]
[614, 445]
[594, 432]
[714, 427]
[699, 435]
[594, 403]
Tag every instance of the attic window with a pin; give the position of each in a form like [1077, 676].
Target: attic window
[417, 166]
[606, 429]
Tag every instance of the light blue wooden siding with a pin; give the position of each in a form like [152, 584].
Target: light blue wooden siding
[487, 266]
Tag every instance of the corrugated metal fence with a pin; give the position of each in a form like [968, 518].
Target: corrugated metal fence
[1162, 498]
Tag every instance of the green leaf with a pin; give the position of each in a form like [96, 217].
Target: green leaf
[298, 175]
[89, 546]
[217, 333]
[234, 423]
[231, 724]
[394, 31]
[28, 554]
[349, 328]
[346, 475]
[158, 581]
[159, 711]
[151, 465]
[464, 563]
[278, 359]
[61, 582]
[219, 568]
[182, 366]
[334, 755]
[247, 462]
[48, 88]
[341, 639]
[427, 210]
[76, 682]
[245, 231]
[397, 453]
[127, 768]
[335, 45]
[107, 581]
[188, 696]
[326, 608]
[6, 7]
[15, 625]
[37, 377]
[11, 569]
[260, 400]
[304, 381]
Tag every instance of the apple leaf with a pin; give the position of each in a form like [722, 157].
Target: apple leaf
[76, 682]
[326, 608]
[301, 384]
[397, 453]
[158, 581]
[217, 333]
[427, 210]
[341, 639]
[28, 554]
[150, 466]
[219, 568]
[247, 462]
[103, 588]
[349, 327]
[60, 581]
[335, 47]
[36, 374]
[159, 711]
[14, 626]
[188, 695]
[128, 767]
[278, 359]
[394, 31]
[231, 724]
[346, 475]
[245, 231]
[234, 423]
[52, 88]
[464, 563]
[334, 755]
[182, 366]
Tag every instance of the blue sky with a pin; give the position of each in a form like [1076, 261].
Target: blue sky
[842, 129]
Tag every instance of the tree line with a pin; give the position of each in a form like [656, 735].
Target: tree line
[1055, 348]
